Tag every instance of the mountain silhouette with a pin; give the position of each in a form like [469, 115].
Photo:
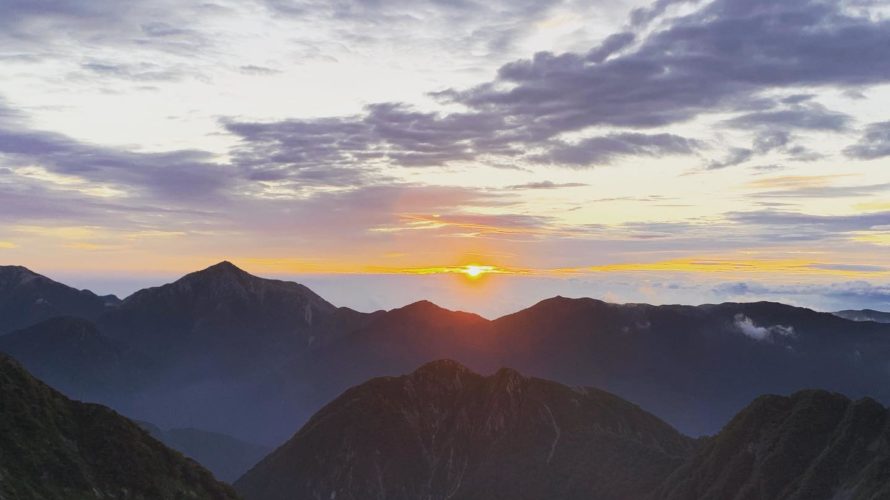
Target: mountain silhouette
[54, 447]
[27, 298]
[234, 319]
[228, 352]
[813, 445]
[446, 432]
[864, 315]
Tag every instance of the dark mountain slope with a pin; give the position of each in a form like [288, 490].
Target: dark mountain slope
[227, 457]
[53, 447]
[27, 298]
[446, 432]
[812, 445]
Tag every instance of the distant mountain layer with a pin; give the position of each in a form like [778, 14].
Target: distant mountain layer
[226, 351]
[27, 298]
[74, 357]
[54, 448]
[864, 315]
[446, 432]
[228, 458]
[812, 445]
[694, 366]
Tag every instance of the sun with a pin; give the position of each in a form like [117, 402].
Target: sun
[474, 271]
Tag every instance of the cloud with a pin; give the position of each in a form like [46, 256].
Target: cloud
[387, 134]
[826, 191]
[483, 28]
[546, 185]
[722, 57]
[642, 16]
[808, 116]
[735, 156]
[603, 150]
[717, 59]
[812, 186]
[875, 143]
[167, 175]
[791, 223]
[746, 326]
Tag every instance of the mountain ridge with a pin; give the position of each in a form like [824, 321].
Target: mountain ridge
[251, 367]
[54, 447]
[27, 297]
[811, 444]
[443, 431]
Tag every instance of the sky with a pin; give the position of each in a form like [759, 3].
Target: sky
[665, 152]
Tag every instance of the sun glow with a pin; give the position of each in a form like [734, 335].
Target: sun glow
[474, 271]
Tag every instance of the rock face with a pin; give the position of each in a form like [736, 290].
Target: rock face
[53, 447]
[27, 298]
[446, 432]
[812, 445]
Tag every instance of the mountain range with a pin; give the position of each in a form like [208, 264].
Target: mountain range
[865, 315]
[444, 432]
[227, 352]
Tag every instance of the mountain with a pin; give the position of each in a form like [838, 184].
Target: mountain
[234, 320]
[229, 352]
[212, 338]
[696, 366]
[395, 341]
[72, 356]
[54, 447]
[27, 298]
[446, 432]
[811, 445]
[227, 457]
[864, 315]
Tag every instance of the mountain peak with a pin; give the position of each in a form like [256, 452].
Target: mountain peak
[446, 432]
[224, 267]
[422, 306]
[429, 311]
[445, 367]
[16, 275]
[27, 298]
